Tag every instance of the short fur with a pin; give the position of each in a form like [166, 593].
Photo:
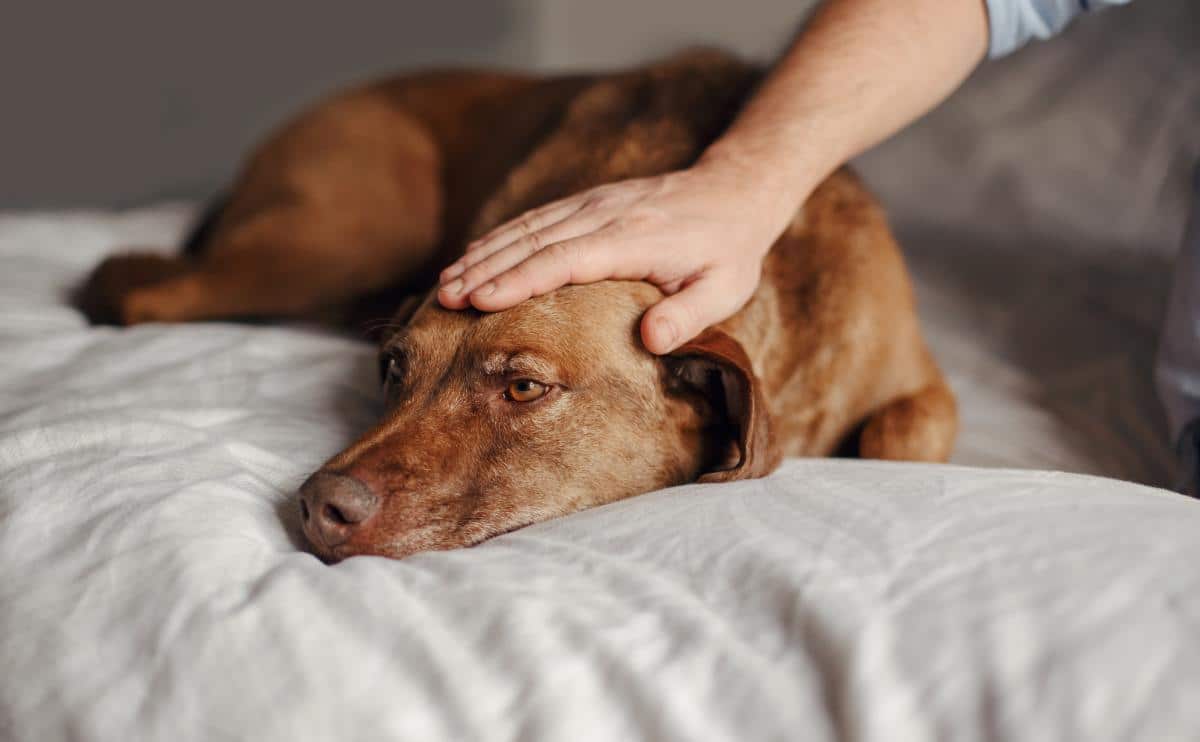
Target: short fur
[356, 203]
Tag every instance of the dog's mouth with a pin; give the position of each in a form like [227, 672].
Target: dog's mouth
[430, 538]
[426, 539]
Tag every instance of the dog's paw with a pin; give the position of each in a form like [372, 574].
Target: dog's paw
[109, 296]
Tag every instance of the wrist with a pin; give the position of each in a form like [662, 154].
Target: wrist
[775, 191]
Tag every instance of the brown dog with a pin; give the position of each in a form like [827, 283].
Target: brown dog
[496, 421]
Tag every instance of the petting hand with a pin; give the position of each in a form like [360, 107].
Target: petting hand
[700, 235]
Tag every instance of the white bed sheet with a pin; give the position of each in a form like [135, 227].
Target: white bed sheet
[151, 586]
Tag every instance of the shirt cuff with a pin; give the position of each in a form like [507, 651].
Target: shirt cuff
[1012, 23]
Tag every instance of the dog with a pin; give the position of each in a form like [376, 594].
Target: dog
[496, 421]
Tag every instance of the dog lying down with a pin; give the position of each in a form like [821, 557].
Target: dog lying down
[496, 421]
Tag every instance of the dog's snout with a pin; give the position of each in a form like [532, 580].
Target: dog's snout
[332, 506]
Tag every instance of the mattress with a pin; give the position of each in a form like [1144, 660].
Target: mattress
[152, 583]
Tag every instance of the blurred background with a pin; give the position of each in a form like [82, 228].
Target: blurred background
[133, 101]
[1040, 207]
[115, 104]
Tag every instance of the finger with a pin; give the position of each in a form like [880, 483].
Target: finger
[672, 287]
[585, 259]
[534, 219]
[453, 301]
[682, 316]
[511, 231]
[486, 267]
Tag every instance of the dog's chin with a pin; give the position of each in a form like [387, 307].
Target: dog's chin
[416, 542]
[401, 547]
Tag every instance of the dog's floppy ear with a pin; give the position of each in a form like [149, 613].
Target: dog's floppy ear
[716, 365]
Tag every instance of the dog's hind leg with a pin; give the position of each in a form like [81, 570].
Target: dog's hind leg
[341, 204]
[916, 427]
[283, 262]
[101, 297]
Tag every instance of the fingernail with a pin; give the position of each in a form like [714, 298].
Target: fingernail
[666, 331]
[485, 290]
[453, 287]
[452, 272]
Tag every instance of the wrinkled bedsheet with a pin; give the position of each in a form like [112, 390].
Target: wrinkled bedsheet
[151, 585]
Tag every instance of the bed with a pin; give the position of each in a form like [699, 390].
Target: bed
[1044, 585]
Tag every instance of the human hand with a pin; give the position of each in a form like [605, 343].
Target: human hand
[699, 234]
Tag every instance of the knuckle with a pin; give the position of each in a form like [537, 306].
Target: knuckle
[519, 276]
[476, 273]
[563, 256]
[526, 226]
[560, 252]
[604, 197]
[532, 242]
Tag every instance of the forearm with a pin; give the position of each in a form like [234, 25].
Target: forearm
[860, 71]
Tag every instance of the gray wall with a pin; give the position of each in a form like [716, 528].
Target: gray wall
[125, 102]
[601, 33]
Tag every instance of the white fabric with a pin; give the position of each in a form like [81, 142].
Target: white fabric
[151, 587]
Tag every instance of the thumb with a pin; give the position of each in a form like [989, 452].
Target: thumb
[682, 316]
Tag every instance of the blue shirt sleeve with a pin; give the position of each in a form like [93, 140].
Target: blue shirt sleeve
[1014, 22]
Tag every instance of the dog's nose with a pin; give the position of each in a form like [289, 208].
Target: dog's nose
[332, 506]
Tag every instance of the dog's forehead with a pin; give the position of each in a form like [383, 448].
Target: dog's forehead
[586, 324]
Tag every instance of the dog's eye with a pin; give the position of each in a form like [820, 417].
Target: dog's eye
[389, 369]
[525, 390]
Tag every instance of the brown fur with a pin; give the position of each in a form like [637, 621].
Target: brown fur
[375, 189]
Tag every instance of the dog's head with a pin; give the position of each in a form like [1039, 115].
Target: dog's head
[496, 421]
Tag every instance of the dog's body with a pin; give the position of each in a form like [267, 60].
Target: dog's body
[363, 198]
